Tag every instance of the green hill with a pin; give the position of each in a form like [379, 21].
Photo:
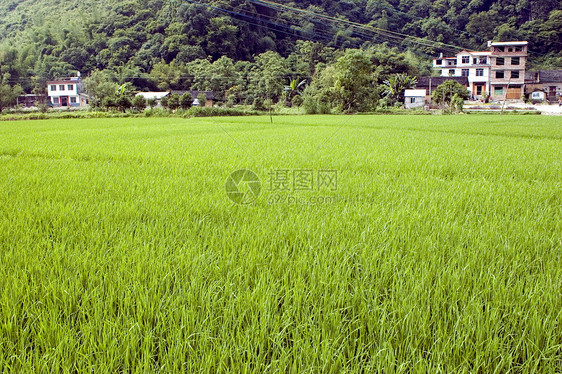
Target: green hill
[44, 39]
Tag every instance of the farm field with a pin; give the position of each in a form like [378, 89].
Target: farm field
[391, 244]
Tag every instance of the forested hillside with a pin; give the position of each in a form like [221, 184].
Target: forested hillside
[46, 39]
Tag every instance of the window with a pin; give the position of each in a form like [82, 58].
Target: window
[61, 87]
[412, 100]
[438, 62]
[479, 72]
[498, 91]
[500, 61]
[466, 59]
[483, 60]
[515, 74]
[70, 87]
[465, 72]
[73, 100]
[55, 100]
[475, 61]
[515, 61]
[510, 49]
[518, 49]
[500, 74]
[53, 87]
[451, 72]
[500, 49]
[450, 62]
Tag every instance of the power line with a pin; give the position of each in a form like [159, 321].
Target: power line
[421, 41]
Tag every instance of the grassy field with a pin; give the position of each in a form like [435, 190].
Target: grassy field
[438, 249]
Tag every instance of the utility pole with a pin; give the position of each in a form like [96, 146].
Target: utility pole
[506, 91]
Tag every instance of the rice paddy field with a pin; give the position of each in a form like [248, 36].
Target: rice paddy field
[353, 244]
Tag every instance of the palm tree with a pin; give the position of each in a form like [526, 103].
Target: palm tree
[293, 89]
[396, 84]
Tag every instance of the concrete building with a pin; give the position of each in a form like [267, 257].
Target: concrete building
[66, 92]
[429, 84]
[548, 81]
[414, 98]
[498, 73]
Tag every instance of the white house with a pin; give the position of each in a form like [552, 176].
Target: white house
[499, 72]
[414, 98]
[66, 92]
[157, 96]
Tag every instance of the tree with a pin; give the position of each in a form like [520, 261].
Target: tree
[98, 86]
[174, 101]
[164, 102]
[297, 101]
[395, 85]
[152, 102]
[267, 75]
[139, 102]
[258, 104]
[444, 93]
[294, 89]
[123, 95]
[123, 102]
[186, 100]
[318, 96]
[108, 103]
[8, 94]
[202, 98]
[354, 81]
[221, 37]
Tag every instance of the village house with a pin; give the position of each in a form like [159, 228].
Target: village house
[31, 100]
[498, 73]
[66, 92]
[155, 96]
[208, 95]
[429, 84]
[414, 99]
[544, 85]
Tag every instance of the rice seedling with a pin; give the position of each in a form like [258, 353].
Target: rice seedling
[435, 248]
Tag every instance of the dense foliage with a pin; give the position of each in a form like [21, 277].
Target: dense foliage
[250, 48]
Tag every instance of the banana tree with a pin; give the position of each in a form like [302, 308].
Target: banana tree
[395, 85]
[293, 89]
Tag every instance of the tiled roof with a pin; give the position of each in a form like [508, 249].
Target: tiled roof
[423, 82]
[550, 76]
[194, 94]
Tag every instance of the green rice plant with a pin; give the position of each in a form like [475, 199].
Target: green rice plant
[439, 252]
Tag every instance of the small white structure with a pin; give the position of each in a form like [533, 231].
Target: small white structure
[414, 98]
[153, 96]
[538, 95]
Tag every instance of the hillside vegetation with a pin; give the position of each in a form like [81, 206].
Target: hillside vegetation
[47, 39]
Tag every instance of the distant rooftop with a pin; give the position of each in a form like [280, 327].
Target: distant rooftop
[501, 44]
[153, 95]
[423, 82]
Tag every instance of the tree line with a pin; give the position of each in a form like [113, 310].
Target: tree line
[245, 50]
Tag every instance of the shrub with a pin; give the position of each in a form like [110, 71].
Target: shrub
[186, 100]
[139, 103]
[174, 101]
[258, 104]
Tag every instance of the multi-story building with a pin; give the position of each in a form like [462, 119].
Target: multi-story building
[499, 73]
[66, 92]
